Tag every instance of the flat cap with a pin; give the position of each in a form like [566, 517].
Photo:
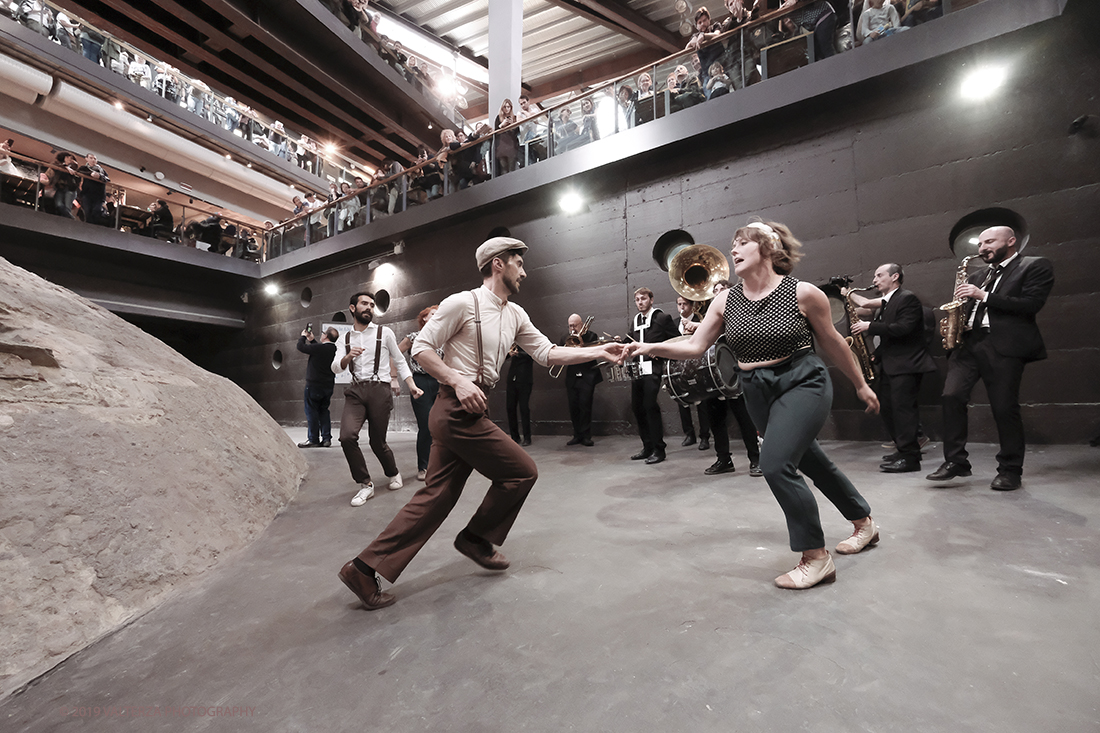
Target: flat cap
[495, 247]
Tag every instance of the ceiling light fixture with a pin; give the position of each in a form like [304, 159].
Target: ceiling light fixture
[571, 202]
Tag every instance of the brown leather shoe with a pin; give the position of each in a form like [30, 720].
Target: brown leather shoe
[481, 552]
[366, 588]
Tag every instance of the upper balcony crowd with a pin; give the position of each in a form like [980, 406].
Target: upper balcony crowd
[749, 44]
[168, 82]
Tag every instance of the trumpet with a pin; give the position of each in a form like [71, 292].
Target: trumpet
[574, 341]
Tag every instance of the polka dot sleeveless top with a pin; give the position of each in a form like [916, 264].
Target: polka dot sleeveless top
[767, 329]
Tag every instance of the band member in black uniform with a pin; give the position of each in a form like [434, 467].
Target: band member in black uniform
[649, 325]
[580, 385]
[1003, 337]
[521, 380]
[686, 325]
[903, 360]
[717, 409]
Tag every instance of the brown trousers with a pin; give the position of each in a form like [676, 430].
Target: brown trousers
[461, 443]
[372, 403]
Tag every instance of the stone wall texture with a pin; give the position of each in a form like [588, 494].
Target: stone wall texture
[125, 472]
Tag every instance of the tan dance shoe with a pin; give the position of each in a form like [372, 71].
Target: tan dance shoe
[808, 573]
[861, 538]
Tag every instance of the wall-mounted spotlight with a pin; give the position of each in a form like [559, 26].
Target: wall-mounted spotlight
[983, 82]
[399, 247]
[118, 105]
[271, 289]
[159, 176]
[571, 202]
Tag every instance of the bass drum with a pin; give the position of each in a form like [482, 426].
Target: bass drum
[691, 381]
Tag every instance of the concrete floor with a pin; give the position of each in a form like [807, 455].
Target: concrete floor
[639, 599]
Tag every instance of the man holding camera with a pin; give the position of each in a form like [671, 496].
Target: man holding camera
[319, 385]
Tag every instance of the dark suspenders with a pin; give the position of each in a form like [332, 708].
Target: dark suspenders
[377, 354]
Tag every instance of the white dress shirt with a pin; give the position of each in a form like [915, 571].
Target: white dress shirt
[363, 365]
[502, 324]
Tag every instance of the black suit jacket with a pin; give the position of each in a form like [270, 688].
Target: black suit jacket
[902, 345]
[587, 370]
[1021, 293]
[661, 327]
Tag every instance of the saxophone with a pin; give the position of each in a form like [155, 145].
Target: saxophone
[857, 343]
[953, 323]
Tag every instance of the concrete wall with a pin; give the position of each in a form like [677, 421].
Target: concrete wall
[875, 172]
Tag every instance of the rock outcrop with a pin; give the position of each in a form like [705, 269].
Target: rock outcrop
[125, 471]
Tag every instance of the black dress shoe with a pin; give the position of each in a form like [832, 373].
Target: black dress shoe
[587, 442]
[326, 443]
[689, 440]
[754, 470]
[901, 465]
[704, 444]
[655, 458]
[641, 455]
[1005, 482]
[365, 587]
[481, 551]
[526, 441]
[890, 457]
[719, 466]
[949, 470]
[308, 444]
[574, 441]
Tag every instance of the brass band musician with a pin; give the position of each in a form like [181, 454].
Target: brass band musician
[580, 383]
[1001, 336]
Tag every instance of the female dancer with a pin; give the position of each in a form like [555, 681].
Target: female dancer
[769, 318]
[421, 405]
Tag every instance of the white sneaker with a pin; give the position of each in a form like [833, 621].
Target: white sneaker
[396, 482]
[421, 475]
[366, 492]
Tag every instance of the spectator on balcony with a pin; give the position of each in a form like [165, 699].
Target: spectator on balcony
[93, 191]
[347, 209]
[330, 212]
[140, 73]
[166, 84]
[878, 20]
[390, 168]
[531, 134]
[59, 185]
[683, 90]
[718, 83]
[91, 43]
[65, 31]
[738, 59]
[702, 42]
[626, 99]
[232, 115]
[277, 139]
[590, 130]
[6, 166]
[161, 224]
[645, 85]
[507, 143]
[427, 183]
[566, 133]
[922, 12]
[819, 18]
[319, 217]
[36, 15]
[468, 164]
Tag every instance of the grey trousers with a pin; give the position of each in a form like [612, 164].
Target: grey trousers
[789, 404]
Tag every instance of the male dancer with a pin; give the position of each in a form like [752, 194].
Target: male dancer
[367, 351]
[474, 329]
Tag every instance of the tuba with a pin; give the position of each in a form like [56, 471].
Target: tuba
[694, 271]
[953, 323]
